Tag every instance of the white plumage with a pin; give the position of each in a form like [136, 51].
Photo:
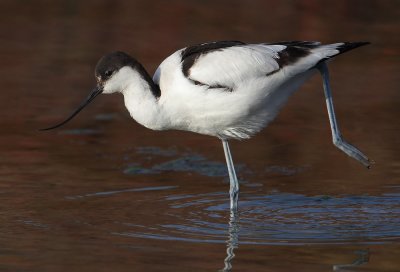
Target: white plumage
[247, 100]
[229, 89]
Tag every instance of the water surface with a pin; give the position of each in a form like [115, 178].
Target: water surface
[105, 194]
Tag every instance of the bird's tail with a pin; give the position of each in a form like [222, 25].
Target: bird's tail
[328, 51]
[346, 46]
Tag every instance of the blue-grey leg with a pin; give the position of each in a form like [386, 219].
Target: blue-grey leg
[234, 184]
[337, 138]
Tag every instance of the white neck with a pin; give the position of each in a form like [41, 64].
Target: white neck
[142, 103]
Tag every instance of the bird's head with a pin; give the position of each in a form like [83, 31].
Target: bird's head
[113, 72]
[112, 75]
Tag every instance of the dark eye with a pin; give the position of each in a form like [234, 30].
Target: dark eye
[108, 73]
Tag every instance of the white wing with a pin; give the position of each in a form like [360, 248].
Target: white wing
[228, 67]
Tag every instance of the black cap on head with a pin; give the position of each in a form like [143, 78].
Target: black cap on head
[111, 63]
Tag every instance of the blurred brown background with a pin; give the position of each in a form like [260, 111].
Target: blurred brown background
[48, 50]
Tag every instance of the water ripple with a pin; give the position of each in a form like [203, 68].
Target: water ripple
[279, 218]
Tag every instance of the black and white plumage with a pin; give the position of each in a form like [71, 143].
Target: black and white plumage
[227, 89]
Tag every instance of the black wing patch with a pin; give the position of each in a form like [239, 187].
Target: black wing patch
[190, 54]
[291, 54]
[294, 51]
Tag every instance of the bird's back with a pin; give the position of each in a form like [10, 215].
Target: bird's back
[232, 89]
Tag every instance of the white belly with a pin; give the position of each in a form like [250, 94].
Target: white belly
[217, 112]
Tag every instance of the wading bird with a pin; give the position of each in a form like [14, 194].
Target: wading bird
[226, 89]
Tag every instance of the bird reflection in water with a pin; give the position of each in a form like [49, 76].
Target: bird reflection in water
[233, 241]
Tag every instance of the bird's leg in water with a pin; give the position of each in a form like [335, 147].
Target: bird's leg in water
[234, 184]
[337, 138]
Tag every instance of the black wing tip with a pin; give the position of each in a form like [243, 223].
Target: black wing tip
[346, 46]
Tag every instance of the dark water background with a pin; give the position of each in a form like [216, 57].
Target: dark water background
[105, 194]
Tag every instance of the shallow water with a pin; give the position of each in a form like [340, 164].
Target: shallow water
[104, 193]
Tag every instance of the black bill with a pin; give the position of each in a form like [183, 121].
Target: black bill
[95, 92]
